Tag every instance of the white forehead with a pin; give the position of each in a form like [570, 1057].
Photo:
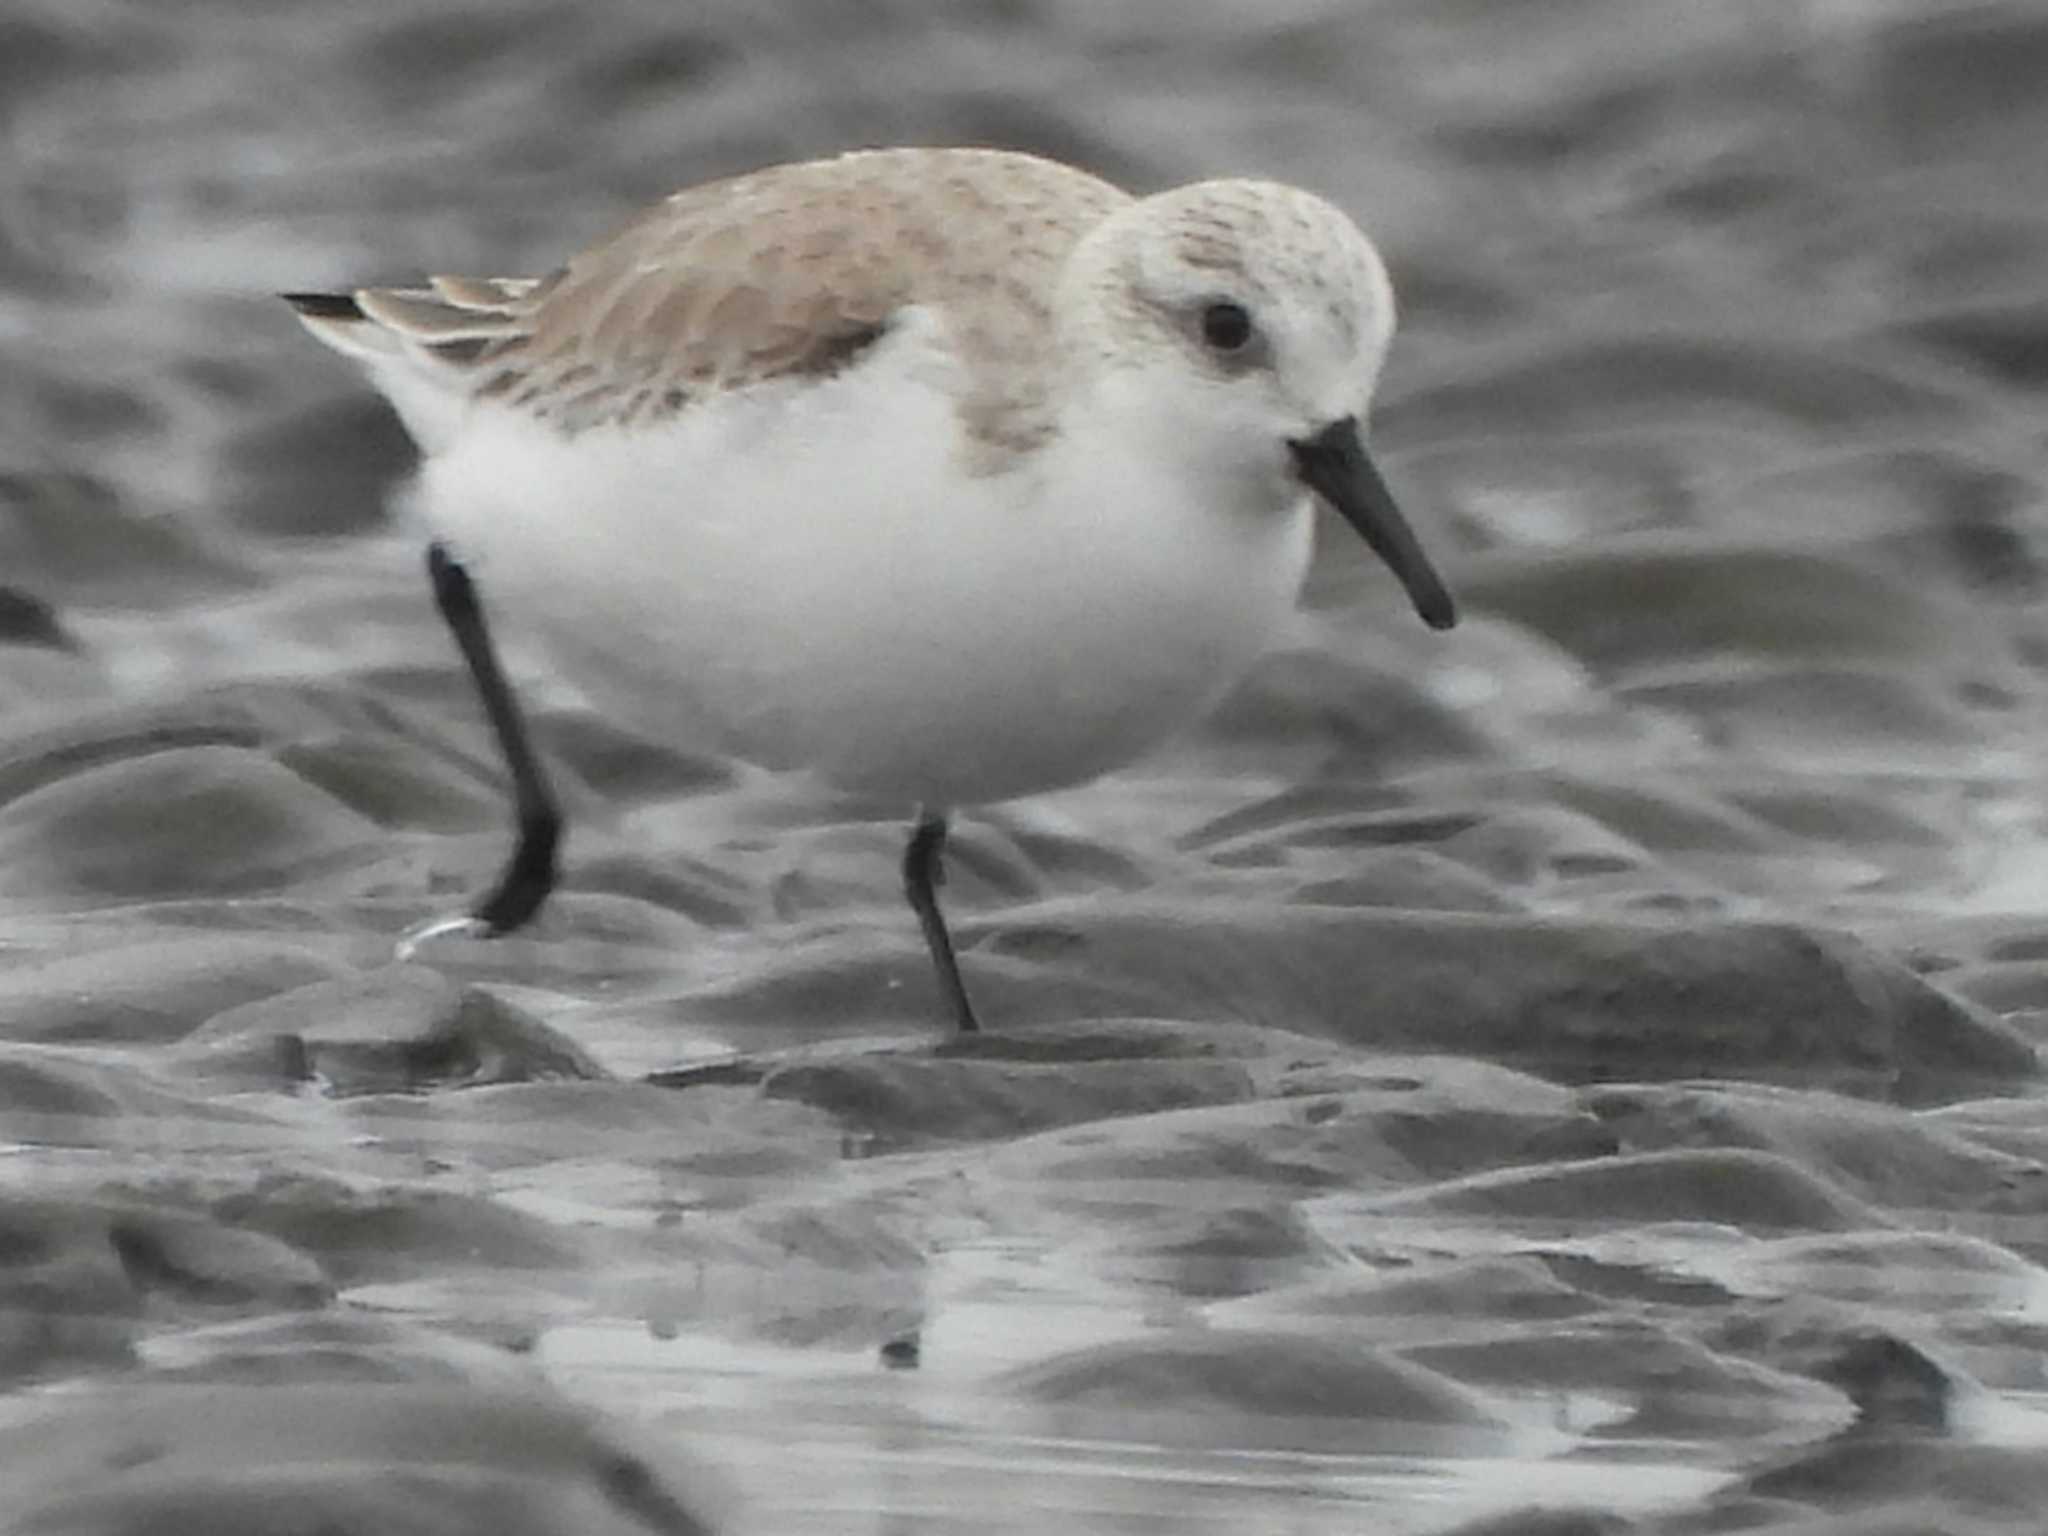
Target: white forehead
[1275, 248]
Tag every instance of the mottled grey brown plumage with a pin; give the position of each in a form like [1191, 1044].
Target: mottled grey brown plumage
[787, 272]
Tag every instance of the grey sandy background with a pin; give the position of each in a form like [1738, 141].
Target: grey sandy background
[1576, 1074]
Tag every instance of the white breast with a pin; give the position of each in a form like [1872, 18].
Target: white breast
[808, 577]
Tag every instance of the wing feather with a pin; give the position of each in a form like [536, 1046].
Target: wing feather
[792, 271]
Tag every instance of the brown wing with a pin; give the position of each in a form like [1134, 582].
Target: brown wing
[793, 270]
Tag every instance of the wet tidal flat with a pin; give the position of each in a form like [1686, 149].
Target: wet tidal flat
[1573, 1075]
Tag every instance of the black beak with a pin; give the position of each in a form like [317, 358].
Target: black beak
[1334, 465]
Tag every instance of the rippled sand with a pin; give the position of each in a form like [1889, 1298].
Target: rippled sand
[1575, 1075]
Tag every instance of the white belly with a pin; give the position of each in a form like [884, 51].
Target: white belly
[810, 580]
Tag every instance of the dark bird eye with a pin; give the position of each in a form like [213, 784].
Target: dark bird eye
[1226, 327]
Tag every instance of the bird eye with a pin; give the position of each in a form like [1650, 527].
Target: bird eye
[1226, 327]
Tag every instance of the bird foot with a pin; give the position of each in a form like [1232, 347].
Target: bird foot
[462, 925]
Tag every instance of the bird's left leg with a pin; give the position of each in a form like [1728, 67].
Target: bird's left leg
[529, 875]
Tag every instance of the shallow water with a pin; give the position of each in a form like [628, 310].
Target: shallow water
[1574, 1074]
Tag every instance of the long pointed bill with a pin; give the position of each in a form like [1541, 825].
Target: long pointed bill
[1335, 465]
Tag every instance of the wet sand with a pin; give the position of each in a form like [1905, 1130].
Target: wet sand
[1573, 1075]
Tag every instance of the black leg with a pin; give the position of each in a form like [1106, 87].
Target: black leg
[530, 874]
[922, 875]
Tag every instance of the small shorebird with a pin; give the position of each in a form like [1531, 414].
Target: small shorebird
[948, 474]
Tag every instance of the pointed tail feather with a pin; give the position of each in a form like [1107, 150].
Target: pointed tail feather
[412, 344]
[325, 306]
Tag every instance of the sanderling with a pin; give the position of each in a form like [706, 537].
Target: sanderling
[949, 474]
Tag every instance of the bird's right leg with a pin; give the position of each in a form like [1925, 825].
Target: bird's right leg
[923, 873]
[530, 873]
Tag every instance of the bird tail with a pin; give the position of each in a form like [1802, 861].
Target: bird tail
[420, 346]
